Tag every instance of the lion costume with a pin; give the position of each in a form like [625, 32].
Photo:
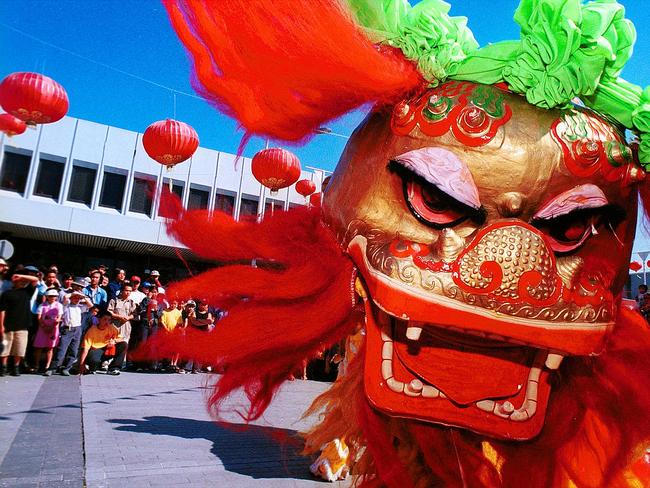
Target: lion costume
[479, 226]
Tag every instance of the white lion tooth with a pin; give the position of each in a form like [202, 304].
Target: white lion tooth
[387, 350]
[414, 388]
[413, 333]
[429, 391]
[486, 405]
[506, 407]
[416, 385]
[394, 385]
[386, 369]
[520, 415]
[385, 336]
[553, 361]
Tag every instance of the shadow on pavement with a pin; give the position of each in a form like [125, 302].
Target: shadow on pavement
[251, 450]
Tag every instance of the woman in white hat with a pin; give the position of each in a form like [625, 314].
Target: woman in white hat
[47, 336]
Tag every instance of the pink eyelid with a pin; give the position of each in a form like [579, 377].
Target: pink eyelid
[578, 198]
[445, 170]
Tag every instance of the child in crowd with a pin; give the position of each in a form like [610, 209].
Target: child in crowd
[170, 320]
[49, 316]
[71, 333]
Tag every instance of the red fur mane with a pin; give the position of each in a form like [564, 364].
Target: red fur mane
[283, 68]
[296, 302]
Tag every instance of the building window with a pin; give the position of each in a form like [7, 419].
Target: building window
[177, 189]
[143, 188]
[224, 203]
[82, 184]
[248, 207]
[112, 195]
[50, 176]
[198, 199]
[15, 168]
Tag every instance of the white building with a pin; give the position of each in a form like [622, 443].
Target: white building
[74, 193]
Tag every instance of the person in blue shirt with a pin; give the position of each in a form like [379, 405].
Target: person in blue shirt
[96, 294]
[115, 285]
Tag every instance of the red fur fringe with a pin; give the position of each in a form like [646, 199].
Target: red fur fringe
[283, 68]
[597, 417]
[298, 301]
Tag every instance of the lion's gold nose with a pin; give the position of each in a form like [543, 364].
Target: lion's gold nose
[509, 260]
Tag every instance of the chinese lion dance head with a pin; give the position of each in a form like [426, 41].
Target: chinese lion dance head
[478, 226]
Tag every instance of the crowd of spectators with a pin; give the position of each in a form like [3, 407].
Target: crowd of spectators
[53, 322]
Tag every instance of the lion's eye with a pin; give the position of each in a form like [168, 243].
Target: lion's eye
[432, 206]
[568, 232]
[569, 219]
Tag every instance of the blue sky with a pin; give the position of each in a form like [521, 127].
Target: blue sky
[75, 42]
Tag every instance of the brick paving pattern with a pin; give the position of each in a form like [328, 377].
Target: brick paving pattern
[147, 430]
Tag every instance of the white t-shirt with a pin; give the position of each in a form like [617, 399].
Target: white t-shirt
[72, 315]
[137, 296]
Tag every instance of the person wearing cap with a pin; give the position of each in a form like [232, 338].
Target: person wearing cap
[50, 314]
[102, 342]
[151, 309]
[93, 291]
[200, 319]
[136, 295]
[78, 286]
[70, 332]
[16, 319]
[155, 278]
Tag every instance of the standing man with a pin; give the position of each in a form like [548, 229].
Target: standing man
[16, 319]
[115, 285]
[138, 324]
[66, 286]
[136, 295]
[5, 284]
[122, 309]
[93, 291]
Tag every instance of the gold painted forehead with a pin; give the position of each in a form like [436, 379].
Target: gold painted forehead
[498, 133]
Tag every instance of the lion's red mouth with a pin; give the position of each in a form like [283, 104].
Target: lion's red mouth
[473, 370]
[449, 377]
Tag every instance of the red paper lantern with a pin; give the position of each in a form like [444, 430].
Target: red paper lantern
[305, 187]
[635, 266]
[170, 142]
[276, 168]
[34, 98]
[316, 199]
[11, 125]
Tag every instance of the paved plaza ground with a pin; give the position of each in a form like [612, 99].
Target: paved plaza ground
[146, 430]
